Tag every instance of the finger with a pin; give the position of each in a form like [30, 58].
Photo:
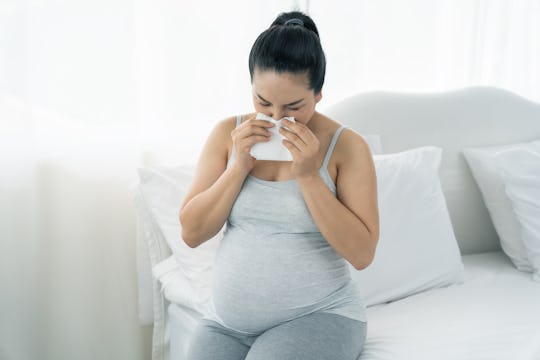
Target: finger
[254, 131]
[248, 143]
[257, 138]
[300, 129]
[256, 122]
[291, 125]
[293, 138]
[256, 127]
[291, 147]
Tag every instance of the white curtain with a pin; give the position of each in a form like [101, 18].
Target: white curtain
[426, 45]
[89, 90]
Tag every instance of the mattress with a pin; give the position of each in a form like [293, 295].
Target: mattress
[494, 314]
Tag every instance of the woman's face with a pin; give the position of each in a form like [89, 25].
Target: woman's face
[286, 94]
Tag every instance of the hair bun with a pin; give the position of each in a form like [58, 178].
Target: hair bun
[293, 22]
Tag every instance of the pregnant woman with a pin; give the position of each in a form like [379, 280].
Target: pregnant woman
[282, 287]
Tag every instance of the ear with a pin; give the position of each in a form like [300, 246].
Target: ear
[318, 97]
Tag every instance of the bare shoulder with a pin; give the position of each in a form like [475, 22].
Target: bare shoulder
[357, 180]
[225, 126]
[221, 134]
[354, 162]
[213, 158]
[351, 146]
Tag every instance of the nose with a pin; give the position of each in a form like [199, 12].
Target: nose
[276, 114]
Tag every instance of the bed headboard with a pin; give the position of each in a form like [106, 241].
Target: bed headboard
[468, 117]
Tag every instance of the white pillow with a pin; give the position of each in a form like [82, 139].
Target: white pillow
[482, 162]
[417, 249]
[520, 171]
[163, 190]
[176, 287]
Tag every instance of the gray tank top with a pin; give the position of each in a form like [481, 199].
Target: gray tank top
[273, 264]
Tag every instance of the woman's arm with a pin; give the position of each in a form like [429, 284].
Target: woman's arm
[350, 222]
[208, 202]
[214, 189]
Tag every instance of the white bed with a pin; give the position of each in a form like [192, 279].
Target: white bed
[490, 311]
[501, 306]
[498, 302]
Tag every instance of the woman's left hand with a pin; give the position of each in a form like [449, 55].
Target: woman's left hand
[303, 146]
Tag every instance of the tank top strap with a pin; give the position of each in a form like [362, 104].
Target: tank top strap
[331, 146]
[238, 120]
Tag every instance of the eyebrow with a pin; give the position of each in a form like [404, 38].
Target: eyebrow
[293, 103]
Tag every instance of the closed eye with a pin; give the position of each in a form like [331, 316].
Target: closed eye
[266, 105]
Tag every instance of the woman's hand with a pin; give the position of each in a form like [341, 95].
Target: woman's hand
[303, 146]
[244, 137]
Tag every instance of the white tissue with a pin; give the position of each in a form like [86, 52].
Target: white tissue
[272, 149]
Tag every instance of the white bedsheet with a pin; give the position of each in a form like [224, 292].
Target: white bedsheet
[494, 314]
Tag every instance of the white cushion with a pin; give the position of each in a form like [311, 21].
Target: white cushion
[163, 189]
[174, 285]
[520, 171]
[483, 165]
[417, 249]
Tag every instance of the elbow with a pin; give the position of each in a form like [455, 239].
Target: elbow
[362, 264]
[194, 234]
[367, 257]
[186, 236]
[188, 240]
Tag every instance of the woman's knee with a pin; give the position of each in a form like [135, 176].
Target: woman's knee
[315, 336]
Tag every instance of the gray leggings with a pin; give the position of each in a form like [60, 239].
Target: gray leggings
[317, 336]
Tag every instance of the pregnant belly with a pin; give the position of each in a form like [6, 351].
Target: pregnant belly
[260, 282]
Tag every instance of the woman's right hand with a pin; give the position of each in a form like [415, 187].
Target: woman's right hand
[244, 137]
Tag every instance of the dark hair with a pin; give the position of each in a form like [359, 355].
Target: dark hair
[294, 48]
